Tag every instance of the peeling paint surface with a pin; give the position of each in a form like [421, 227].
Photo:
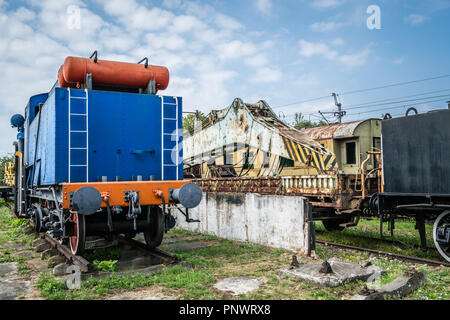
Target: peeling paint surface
[252, 128]
[333, 131]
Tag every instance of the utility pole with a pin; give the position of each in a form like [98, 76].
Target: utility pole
[338, 104]
[324, 117]
[448, 102]
[339, 114]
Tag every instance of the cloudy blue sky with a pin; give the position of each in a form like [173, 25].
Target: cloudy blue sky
[284, 52]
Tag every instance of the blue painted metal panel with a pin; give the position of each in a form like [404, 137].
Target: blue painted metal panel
[125, 137]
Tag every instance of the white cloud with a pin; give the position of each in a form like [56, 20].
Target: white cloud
[308, 79]
[326, 26]
[265, 6]
[267, 75]
[23, 14]
[257, 60]
[183, 24]
[309, 49]
[355, 59]
[415, 19]
[323, 4]
[338, 42]
[235, 49]
[172, 4]
[399, 60]
[226, 22]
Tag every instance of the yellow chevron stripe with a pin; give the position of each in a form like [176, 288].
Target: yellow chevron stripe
[294, 146]
[300, 148]
[289, 148]
[316, 161]
[307, 152]
[321, 161]
[329, 166]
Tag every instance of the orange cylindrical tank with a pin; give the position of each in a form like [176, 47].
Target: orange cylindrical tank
[62, 81]
[112, 73]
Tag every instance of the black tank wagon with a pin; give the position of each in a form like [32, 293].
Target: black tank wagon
[416, 174]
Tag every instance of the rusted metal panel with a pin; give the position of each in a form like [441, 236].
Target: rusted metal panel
[333, 131]
[323, 191]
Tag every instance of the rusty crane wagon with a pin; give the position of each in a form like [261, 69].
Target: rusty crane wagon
[247, 148]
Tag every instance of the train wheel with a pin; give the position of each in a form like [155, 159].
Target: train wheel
[130, 236]
[37, 219]
[154, 233]
[441, 228]
[78, 240]
[333, 225]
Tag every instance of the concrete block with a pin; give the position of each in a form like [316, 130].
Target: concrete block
[37, 242]
[400, 287]
[42, 247]
[10, 290]
[7, 268]
[55, 260]
[403, 285]
[269, 220]
[26, 254]
[342, 272]
[49, 253]
[239, 285]
[60, 269]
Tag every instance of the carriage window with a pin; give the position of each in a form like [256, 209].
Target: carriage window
[350, 150]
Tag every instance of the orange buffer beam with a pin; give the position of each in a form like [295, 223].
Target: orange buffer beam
[116, 190]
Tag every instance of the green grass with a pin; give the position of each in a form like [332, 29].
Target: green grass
[222, 259]
[437, 286]
[195, 284]
[224, 252]
[11, 228]
[12, 232]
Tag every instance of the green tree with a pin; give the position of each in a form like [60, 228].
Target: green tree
[189, 120]
[3, 161]
[302, 123]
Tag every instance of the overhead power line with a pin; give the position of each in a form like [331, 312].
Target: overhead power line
[380, 109]
[396, 107]
[396, 84]
[364, 90]
[395, 102]
[395, 98]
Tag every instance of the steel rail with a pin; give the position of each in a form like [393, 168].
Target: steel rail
[85, 266]
[168, 256]
[383, 240]
[433, 263]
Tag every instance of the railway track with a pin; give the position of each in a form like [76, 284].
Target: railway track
[428, 262]
[383, 240]
[165, 257]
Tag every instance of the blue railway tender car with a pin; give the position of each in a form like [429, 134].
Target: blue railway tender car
[101, 154]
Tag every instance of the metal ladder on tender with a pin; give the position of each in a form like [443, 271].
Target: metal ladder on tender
[74, 100]
[172, 131]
